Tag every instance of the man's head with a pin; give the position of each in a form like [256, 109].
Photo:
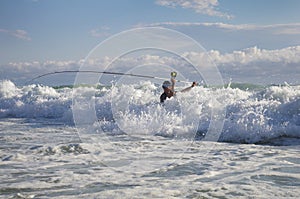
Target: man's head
[166, 84]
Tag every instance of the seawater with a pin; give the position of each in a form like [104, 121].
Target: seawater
[138, 148]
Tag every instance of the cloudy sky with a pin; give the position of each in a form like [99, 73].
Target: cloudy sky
[254, 41]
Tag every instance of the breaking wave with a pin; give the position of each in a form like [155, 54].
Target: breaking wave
[260, 115]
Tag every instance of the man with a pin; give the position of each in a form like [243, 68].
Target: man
[169, 89]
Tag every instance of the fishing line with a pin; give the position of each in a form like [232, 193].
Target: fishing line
[102, 72]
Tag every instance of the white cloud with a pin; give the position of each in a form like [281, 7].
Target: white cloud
[277, 29]
[20, 34]
[206, 7]
[21, 72]
[254, 55]
[248, 65]
[255, 65]
[287, 29]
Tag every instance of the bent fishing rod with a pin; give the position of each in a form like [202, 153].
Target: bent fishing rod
[173, 75]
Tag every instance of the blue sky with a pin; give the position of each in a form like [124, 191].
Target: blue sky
[66, 30]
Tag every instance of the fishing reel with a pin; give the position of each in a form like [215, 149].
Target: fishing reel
[173, 74]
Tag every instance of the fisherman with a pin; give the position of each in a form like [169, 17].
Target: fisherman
[169, 89]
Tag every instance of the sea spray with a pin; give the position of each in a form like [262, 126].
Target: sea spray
[252, 116]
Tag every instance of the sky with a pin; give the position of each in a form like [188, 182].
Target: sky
[259, 36]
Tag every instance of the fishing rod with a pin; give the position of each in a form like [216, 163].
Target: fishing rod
[173, 74]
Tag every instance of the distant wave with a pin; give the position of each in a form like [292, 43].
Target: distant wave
[254, 114]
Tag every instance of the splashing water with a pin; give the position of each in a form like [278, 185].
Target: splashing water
[252, 116]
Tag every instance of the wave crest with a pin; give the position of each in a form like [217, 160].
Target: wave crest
[252, 116]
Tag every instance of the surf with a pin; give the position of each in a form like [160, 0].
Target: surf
[262, 115]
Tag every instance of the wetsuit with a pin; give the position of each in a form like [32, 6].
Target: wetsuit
[163, 97]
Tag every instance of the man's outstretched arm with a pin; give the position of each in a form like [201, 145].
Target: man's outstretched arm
[189, 88]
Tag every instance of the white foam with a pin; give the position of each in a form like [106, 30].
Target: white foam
[251, 117]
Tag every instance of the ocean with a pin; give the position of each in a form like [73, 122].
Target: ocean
[237, 141]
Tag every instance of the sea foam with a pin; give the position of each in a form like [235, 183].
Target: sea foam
[251, 116]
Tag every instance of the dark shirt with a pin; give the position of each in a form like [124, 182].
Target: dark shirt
[163, 97]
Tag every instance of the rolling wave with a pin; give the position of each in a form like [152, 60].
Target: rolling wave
[261, 115]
